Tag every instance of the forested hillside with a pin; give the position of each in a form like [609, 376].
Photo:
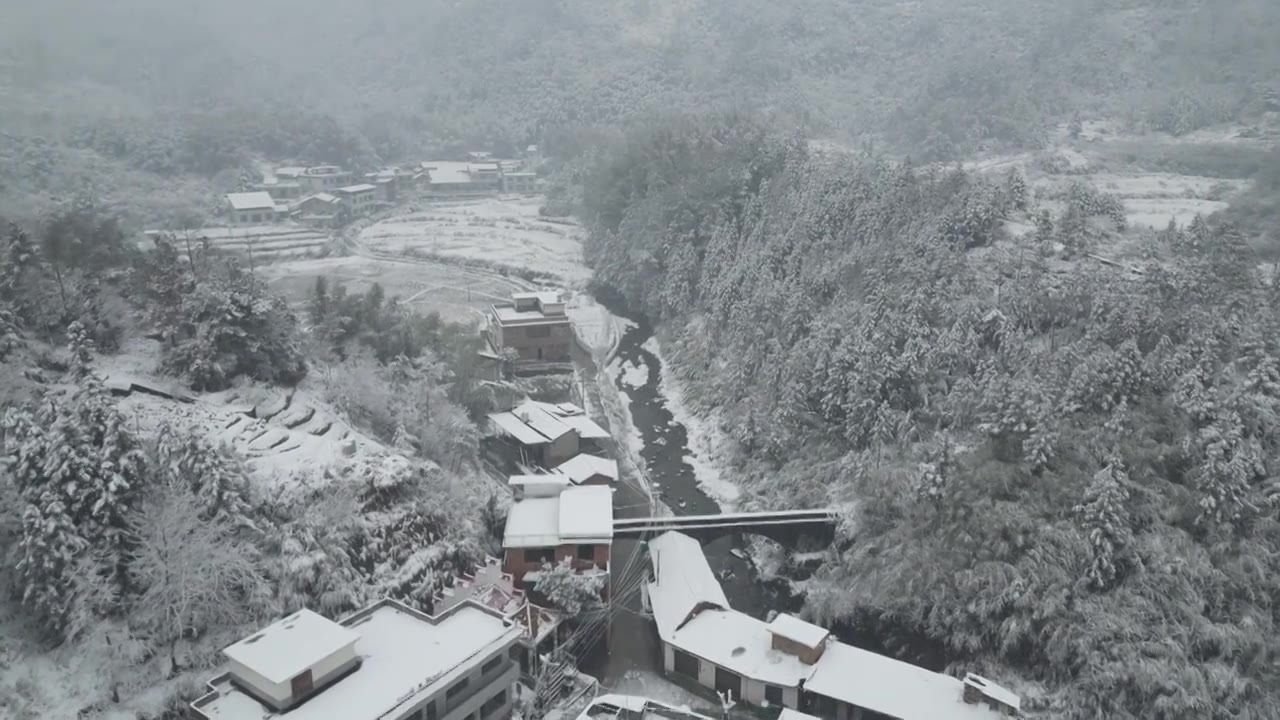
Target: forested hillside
[1059, 468]
[96, 94]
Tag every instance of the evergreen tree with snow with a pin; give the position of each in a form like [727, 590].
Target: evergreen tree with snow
[1104, 516]
[78, 472]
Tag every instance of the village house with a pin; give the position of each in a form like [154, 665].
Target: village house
[520, 182]
[546, 434]
[575, 523]
[789, 662]
[282, 191]
[319, 210]
[587, 469]
[323, 178]
[386, 662]
[388, 184]
[250, 208]
[534, 325]
[358, 199]
[542, 629]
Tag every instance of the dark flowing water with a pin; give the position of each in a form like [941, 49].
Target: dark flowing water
[633, 642]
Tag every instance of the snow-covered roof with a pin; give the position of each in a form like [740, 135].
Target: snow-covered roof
[797, 630]
[545, 423]
[586, 513]
[509, 424]
[586, 427]
[290, 171]
[447, 172]
[583, 467]
[533, 522]
[574, 515]
[683, 582]
[322, 197]
[507, 314]
[406, 656]
[290, 645]
[260, 200]
[356, 189]
[740, 643]
[647, 708]
[890, 686]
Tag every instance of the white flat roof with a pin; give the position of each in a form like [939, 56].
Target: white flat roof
[533, 522]
[548, 479]
[586, 513]
[574, 515]
[507, 314]
[738, 642]
[405, 657]
[448, 172]
[353, 189]
[581, 468]
[683, 581]
[260, 200]
[891, 687]
[797, 630]
[290, 645]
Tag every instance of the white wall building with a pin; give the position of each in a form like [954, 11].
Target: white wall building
[386, 662]
[790, 662]
[251, 208]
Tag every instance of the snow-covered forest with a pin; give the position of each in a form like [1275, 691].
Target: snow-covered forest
[1046, 463]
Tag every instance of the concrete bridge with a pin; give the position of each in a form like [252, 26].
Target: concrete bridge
[787, 527]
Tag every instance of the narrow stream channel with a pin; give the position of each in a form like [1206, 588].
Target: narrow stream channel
[633, 643]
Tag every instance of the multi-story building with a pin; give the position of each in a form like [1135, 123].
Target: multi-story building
[535, 325]
[359, 199]
[323, 178]
[558, 523]
[386, 662]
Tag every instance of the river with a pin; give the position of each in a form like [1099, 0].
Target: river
[633, 643]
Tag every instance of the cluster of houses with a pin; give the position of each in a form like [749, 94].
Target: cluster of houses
[326, 195]
[563, 512]
[791, 663]
[391, 662]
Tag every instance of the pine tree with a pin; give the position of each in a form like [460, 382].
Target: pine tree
[78, 474]
[1104, 517]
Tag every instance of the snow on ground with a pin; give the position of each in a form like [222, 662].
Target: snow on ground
[633, 375]
[705, 439]
[458, 294]
[594, 325]
[653, 685]
[617, 408]
[296, 441]
[499, 230]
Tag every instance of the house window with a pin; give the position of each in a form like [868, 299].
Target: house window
[587, 552]
[539, 332]
[539, 555]
[773, 694]
[431, 710]
[493, 703]
[457, 689]
[686, 664]
[493, 663]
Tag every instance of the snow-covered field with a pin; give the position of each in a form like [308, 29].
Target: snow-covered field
[508, 231]
[458, 294]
